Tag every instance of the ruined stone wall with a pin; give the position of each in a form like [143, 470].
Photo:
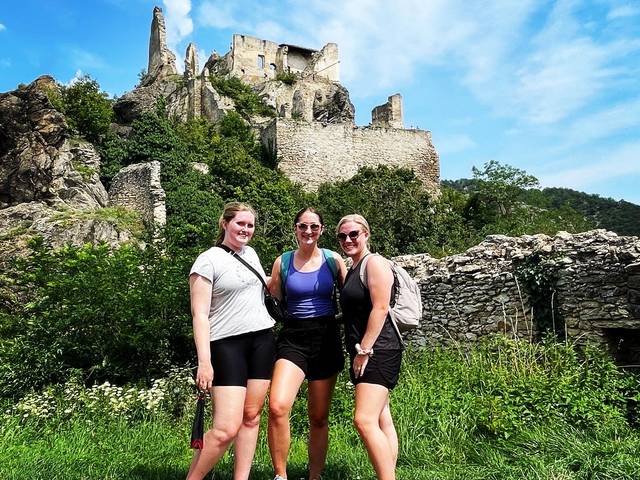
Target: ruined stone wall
[325, 63]
[476, 293]
[313, 153]
[388, 115]
[245, 51]
[137, 187]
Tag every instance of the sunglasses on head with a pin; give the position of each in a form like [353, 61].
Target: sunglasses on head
[303, 226]
[353, 234]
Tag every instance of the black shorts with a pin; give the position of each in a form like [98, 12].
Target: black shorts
[241, 357]
[383, 368]
[314, 345]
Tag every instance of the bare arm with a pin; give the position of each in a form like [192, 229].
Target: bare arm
[200, 304]
[274, 280]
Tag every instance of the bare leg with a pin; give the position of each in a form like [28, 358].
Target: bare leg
[319, 401]
[245, 444]
[228, 405]
[286, 381]
[371, 400]
[389, 429]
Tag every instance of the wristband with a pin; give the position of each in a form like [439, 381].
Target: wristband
[364, 351]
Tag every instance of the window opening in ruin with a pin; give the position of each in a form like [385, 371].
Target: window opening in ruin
[272, 66]
[261, 62]
[624, 345]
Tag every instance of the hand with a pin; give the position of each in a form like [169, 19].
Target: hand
[359, 364]
[204, 377]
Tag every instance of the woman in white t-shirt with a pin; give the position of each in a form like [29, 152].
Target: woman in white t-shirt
[234, 342]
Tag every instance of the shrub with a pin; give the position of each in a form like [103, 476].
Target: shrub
[121, 315]
[287, 77]
[246, 100]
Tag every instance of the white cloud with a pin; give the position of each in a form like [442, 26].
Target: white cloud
[623, 11]
[76, 77]
[2, 27]
[622, 161]
[604, 123]
[177, 20]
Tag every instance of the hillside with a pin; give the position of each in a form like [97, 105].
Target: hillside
[620, 216]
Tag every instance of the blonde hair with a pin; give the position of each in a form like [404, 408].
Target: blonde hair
[355, 218]
[231, 209]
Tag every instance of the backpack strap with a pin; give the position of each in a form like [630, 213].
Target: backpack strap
[331, 262]
[285, 261]
[394, 289]
[363, 269]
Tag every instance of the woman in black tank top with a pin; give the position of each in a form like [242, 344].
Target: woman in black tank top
[373, 345]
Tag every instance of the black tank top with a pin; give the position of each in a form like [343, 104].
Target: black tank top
[355, 301]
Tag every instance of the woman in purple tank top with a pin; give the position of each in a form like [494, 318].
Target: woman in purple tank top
[309, 344]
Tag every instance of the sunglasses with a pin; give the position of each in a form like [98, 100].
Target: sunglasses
[303, 226]
[353, 234]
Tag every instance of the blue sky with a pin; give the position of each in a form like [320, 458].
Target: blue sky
[551, 87]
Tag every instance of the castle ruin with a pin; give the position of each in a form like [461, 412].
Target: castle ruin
[313, 135]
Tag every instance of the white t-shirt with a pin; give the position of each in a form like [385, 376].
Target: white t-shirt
[237, 299]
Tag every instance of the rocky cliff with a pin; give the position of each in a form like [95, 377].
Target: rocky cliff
[49, 181]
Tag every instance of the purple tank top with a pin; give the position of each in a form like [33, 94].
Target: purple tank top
[309, 294]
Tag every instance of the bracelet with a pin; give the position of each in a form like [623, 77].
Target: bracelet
[364, 351]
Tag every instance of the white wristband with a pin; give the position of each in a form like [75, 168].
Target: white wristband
[364, 351]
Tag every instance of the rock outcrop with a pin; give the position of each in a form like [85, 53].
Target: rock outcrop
[162, 61]
[49, 182]
[38, 160]
[596, 287]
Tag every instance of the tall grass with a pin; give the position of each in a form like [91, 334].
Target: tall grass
[502, 409]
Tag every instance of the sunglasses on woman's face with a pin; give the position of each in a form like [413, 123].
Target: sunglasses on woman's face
[304, 226]
[353, 234]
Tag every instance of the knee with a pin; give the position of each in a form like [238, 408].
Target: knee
[320, 421]
[251, 419]
[222, 434]
[363, 423]
[278, 410]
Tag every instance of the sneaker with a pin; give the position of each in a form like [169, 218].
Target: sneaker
[278, 477]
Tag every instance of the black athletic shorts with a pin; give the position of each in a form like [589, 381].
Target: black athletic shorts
[314, 345]
[241, 357]
[383, 368]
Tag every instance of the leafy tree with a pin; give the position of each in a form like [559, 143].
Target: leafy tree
[402, 215]
[87, 109]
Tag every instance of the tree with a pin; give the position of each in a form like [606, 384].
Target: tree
[87, 109]
[498, 186]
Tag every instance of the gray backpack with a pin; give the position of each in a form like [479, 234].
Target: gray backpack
[406, 304]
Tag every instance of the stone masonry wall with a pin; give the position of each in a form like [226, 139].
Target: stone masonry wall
[478, 292]
[313, 153]
[138, 188]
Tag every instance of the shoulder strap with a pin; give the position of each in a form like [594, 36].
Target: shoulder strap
[363, 269]
[285, 261]
[331, 262]
[246, 264]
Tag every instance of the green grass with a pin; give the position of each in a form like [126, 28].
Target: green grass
[501, 410]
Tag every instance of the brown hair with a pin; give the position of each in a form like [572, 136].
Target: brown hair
[305, 210]
[359, 219]
[231, 209]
